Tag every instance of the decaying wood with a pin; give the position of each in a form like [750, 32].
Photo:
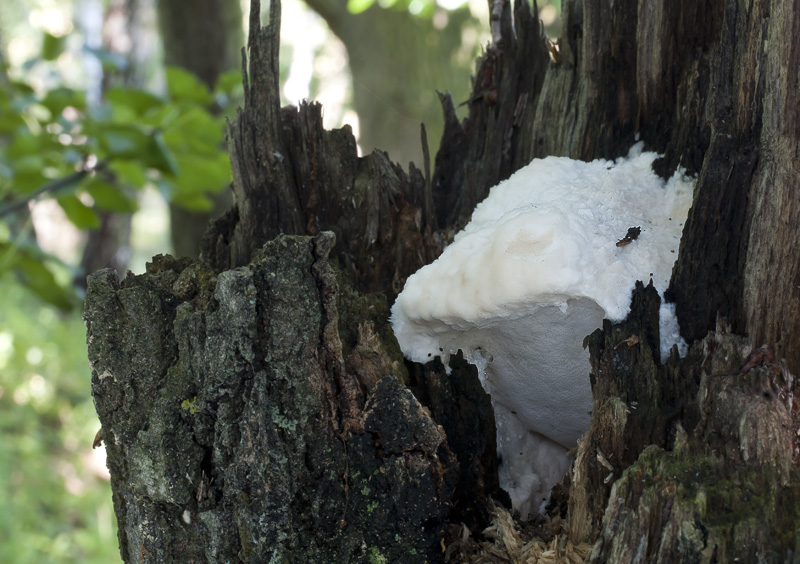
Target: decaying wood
[691, 461]
[292, 176]
[236, 427]
[252, 403]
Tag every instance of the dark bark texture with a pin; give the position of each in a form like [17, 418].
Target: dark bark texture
[690, 461]
[254, 404]
[236, 422]
[292, 176]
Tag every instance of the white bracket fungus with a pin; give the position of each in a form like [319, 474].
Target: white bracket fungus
[548, 254]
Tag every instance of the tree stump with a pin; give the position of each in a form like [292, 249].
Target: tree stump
[254, 404]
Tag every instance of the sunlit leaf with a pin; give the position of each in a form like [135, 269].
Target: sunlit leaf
[358, 6]
[122, 114]
[80, 215]
[184, 86]
[425, 9]
[110, 198]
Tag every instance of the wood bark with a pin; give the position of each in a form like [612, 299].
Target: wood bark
[292, 176]
[247, 390]
[254, 416]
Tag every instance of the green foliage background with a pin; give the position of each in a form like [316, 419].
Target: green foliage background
[53, 509]
[89, 158]
[108, 152]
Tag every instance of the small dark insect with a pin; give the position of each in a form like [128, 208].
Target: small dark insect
[554, 49]
[485, 86]
[98, 439]
[631, 236]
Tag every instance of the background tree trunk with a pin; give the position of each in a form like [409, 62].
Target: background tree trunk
[259, 412]
[398, 61]
[203, 37]
[123, 33]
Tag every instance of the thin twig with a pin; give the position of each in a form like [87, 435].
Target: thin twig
[53, 186]
[427, 199]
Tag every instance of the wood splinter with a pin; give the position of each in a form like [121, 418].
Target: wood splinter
[632, 234]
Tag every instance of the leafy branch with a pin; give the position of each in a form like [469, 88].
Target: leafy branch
[52, 188]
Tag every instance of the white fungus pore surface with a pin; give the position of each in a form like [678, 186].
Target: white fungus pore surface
[535, 271]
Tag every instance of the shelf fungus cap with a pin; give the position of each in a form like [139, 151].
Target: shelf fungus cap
[547, 255]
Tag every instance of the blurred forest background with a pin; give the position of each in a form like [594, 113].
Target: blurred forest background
[112, 150]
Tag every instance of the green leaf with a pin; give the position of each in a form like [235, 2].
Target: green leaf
[194, 202]
[195, 131]
[38, 278]
[122, 114]
[129, 173]
[10, 120]
[202, 174]
[230, 82]
[30, 264]
[27, 182]
[21, 88]
[358, 6]
[184, 86]
[124, 141]
[194, 199]
[27, 164]
[59, 98]
[109, 197]
[80, 215]
[138, 100]
[23, 144]
[161, 117]
[52, 46]
[160, 156]
[32, 178]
